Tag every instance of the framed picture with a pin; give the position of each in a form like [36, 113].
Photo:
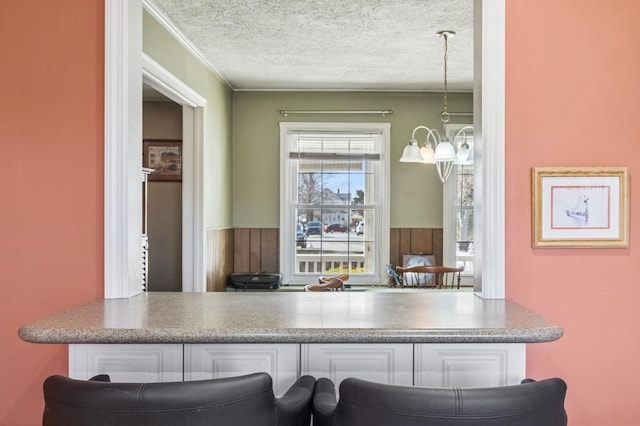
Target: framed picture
[414, 278]
[165, 158]
[580, 207]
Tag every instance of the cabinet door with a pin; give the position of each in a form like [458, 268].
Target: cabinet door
[383, 363]
[208, 361]
[469, 365]
[127, 363]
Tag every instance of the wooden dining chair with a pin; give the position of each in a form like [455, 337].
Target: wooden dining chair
[430, 276]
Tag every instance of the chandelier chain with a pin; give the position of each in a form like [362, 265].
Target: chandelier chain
[445, 112]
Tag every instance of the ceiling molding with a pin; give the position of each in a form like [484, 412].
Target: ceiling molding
[166, 23]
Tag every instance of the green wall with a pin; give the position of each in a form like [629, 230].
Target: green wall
[416, 191]
[164, 49]
[242, 134]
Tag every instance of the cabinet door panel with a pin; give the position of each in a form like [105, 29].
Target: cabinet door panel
[127, 363]
[469, 365]
[383, 363]
[207, 361]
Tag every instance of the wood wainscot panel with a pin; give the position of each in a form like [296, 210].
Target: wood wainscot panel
[256, 250]
[220, 258]
[242, 250]
[421, 241]
[270, 250]
[438, 238]
[415, 241]
[395, 258]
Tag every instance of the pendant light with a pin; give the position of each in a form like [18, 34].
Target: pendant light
[445, 155]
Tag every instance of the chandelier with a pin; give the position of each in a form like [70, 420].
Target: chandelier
[445, 155]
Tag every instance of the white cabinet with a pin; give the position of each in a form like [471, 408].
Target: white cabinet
[208, 361]
[469, 365]
[439, 365]
[383, 363]
[127, 363]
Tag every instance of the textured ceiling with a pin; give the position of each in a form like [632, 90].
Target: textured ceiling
[329, 44]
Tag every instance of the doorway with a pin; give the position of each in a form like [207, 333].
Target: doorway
[162, 129]
[191, 110]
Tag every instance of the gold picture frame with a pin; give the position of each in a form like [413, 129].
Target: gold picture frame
[580, 207]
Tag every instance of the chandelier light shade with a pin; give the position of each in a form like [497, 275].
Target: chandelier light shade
[464, 152]
[423, 154]
[411, 153]
[445, 155]
[428, 156]
[445, 151]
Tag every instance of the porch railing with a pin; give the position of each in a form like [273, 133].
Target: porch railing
[330, 264]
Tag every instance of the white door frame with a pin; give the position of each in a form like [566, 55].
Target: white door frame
[122, 139]
[193, 110]
[123, 160]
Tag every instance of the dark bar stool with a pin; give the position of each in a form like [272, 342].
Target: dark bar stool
[364, 403]
[242, 400]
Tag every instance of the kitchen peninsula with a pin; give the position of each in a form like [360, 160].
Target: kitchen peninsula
[430, 339]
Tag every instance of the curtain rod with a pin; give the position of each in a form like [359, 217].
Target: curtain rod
[382, 112]
[302, 111]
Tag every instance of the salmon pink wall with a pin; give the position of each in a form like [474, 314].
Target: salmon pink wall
[51, 139]
[572, 99]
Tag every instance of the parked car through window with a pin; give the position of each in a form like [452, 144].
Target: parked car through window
[336, 227]
[314, 228]
[301, 236]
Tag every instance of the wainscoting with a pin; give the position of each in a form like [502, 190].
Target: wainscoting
[414, 241]
[219, 258]
[258, 249]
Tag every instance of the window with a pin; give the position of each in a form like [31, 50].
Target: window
[458, 207]
[334, 179]
[464, 212]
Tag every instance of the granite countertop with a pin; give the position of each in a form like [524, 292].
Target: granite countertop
[295, 317]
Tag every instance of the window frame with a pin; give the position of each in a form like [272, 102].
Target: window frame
[287, 221]
[449, 208]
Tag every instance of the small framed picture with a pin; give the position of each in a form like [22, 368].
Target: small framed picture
[580, 207]
[164, 157]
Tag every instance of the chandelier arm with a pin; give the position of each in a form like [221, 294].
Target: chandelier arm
[444, 170]
[463, 132]
[433, 134]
